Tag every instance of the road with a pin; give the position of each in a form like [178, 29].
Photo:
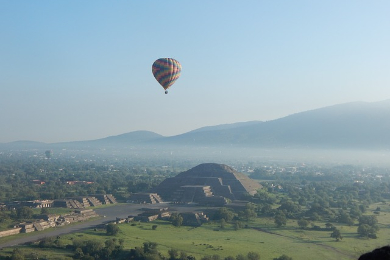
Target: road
[110, 213]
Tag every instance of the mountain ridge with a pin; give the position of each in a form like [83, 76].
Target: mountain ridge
[349, 125]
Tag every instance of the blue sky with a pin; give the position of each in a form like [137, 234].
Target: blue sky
[81, 70]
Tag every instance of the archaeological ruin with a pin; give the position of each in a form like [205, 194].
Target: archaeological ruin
[208, 183]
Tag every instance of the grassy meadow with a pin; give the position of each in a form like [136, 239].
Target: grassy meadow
[260, 236]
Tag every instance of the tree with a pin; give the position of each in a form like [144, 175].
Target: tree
[355, 212]
[315, 216]
[112, 229]
[121, 244]
[302, 201]
[224, 213]
[369, 220]
[367, 231]
[216, 257]
[78, 253]
[249, 212]
[280, 219]
[177, 220]
[344, 217]
[303, 223]
[17, 255]
[3, 216]
[240, 257]
[173, 254]
[24, 213]
[46, 242]
[150, 247]
[106, 253]
[183, 255]
[290, 207]
[253, 256]
[229, 258]
[110, 244]
[93, 248]
[45, 211]
[283, 257]
[329, 225]
[336, 235]
[78, 243]
[237, 225]
[362, 208]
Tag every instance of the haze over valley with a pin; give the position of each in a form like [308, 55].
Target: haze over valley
[357, 133]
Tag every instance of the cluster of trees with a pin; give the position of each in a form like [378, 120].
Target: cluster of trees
[345, 203]
[117, 178]
[335, 202]
[368, 226]
[249, 256]
[225, 215]
[82, 249]
[95, 249]
[114, 249]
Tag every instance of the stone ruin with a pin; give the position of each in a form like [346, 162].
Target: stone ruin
[151, 214]
[71, 203]
[85, 202]
[50, 220]
[194, 219]
[208, 183]
[145, 198]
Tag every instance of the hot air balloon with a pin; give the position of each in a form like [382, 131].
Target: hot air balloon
[166, 71]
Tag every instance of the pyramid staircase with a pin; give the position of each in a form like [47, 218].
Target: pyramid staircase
[111, 198]
[83, 201]
[94, 202]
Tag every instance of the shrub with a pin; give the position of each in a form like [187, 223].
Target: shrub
[112, 229]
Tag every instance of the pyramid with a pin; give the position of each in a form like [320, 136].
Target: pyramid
[223, 181]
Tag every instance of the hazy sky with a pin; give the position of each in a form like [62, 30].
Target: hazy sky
[81, 70]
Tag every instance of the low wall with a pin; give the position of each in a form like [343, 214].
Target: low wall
[10, 232]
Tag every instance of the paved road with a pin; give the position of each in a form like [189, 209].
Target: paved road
[110, 213]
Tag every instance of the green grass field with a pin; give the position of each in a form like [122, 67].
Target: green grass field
[269, 242]
[261, 236]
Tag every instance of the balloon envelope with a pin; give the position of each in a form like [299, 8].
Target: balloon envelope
[166, 71]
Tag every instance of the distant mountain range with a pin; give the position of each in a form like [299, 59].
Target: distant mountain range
[351, 125]
[356, 125]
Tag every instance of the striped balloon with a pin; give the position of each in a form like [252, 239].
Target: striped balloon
[166, 71]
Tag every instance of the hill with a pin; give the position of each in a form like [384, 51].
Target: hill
[224, 126]
[351, 125]
[136, 137]
[356, 125]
